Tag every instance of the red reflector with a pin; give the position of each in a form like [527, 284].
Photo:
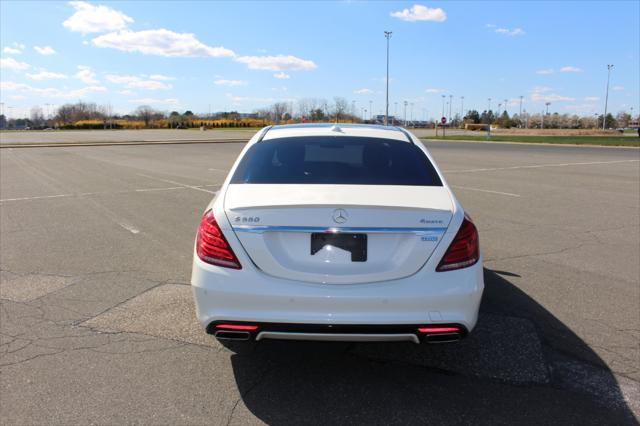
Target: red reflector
[464, 250]
[237, 327]
[438, 329]
[211, 245]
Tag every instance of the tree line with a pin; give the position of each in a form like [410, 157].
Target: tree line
[87, 115]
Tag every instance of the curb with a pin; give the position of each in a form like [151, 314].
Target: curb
[149, 142]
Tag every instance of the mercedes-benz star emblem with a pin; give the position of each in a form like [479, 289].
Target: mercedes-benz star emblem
[340, 215]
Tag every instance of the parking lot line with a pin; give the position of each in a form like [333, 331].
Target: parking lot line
[197, 188]
[537, 166]
[85, 194]
[508, 194]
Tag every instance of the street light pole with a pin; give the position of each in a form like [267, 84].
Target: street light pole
[520, 113]
[443, 96]
[387, 35]
[606, 99]
[489, 108]
[405, 113]
[450, 102]
[461, 107]
[547, 104]
[370, 109]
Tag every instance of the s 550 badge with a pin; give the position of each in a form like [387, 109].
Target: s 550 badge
[245, 219]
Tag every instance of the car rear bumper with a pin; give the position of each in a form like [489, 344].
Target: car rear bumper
[250, 296]
[415, 333]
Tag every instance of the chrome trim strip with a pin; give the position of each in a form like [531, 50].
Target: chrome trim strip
[259, 229]
[337, 337]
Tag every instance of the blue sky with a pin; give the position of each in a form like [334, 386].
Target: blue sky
[246, 55]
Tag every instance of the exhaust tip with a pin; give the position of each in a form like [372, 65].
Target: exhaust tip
[442, 338]
[231, 335]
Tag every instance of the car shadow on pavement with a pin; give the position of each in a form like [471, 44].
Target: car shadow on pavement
[521, 365]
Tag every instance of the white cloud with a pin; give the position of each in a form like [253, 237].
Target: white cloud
[545, 71]
[86, 75]
[541, 89]
[47, 75]
[542, 94]
[238, 100]
[90, 18]
[231, 83]
[490, 26]
[569, 68]
[52, 92]
[44, 50]
[552, 97]
[592, 98]
[153, 101]
[17, 97]
[432, 90]
[10, 85]
[159, 42]
[134, 82]
[12, 50]
[364, 91]
[282, 76]
[617, 88]
[277, 63]
[126, 92]
[12, 64]
[510, 33]
[161, 77]
[418, 12]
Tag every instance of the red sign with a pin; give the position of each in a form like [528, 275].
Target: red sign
[443, 120]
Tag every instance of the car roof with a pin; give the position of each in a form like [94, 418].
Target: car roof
[336, 129]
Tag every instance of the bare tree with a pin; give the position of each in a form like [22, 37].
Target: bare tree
[145, 113]
[279, 109]
[37, 116]
[340, 107]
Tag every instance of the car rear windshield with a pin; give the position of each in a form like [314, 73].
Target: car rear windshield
[345, 160]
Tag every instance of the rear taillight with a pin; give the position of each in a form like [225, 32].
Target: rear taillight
[464, 250]
[211, 245]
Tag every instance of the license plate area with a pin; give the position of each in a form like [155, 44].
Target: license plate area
[356, 244]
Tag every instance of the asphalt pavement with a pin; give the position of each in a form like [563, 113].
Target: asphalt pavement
[97, 323]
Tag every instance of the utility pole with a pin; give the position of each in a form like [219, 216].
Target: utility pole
[405, 113]
[606, 99]
[387, 35]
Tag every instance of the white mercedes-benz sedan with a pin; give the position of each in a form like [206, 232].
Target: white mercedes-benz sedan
[336, 232]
